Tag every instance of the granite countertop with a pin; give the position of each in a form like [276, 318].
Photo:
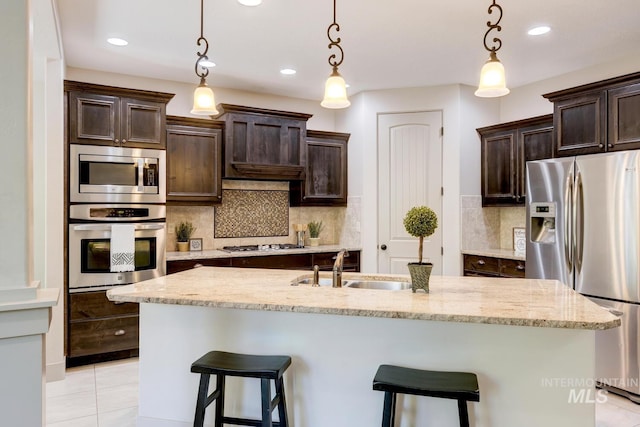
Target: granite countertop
[503, 301]
[496, 253]
[217, 253]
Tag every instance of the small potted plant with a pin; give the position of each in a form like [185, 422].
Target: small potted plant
[184, 231]
[314, 227]
[420, 222]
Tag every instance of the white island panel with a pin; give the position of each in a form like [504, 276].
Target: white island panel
[523, 372]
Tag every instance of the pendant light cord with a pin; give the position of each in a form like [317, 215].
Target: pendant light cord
[335, 42]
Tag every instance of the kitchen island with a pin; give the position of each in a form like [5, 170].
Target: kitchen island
[531, 343]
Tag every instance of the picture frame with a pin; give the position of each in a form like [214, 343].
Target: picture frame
[519, 239]
[195, 244]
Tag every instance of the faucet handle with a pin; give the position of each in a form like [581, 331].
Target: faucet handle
[316, 275]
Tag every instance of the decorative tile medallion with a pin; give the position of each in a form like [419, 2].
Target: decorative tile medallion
[252, 213]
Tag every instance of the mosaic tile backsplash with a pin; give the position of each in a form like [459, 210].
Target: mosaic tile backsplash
[252, 213]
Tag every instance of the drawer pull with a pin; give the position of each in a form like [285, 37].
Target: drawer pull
[520, 267]
[120, 332]
[481, 262]
[197, 266]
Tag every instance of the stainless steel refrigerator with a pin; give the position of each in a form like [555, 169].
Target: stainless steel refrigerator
[583, 228]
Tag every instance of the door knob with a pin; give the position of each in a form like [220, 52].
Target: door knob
[383, 247]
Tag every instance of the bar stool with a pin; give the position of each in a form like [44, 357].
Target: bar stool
[462, 386]
[223, 364]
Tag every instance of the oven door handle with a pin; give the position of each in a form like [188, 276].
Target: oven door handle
[107, 227]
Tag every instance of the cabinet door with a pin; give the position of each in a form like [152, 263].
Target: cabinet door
[93, 119]
[194, 165]
[534, 143]
[499, 168]
[624, 118]
[142, 123]
[580, 125]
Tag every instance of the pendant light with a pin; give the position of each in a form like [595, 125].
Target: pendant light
[204, 102]
[492, 79]
[335, 89]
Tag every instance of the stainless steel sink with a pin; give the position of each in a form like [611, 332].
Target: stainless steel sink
[364, 283]
[378, 284]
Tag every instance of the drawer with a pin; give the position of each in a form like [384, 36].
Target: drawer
[480, 264]
[512, 268]
[103, 336]
[92, 305]
[182, 265]
[326, 260]
[297, 261]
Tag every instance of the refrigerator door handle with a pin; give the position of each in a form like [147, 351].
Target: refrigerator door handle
[568, 221]
[578, 222]
[613, 311]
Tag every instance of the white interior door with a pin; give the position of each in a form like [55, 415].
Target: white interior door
[409, 174]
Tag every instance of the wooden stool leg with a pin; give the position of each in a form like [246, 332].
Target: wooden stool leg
[266, 402]
[464, 415]
[203, 390]
[389, 411]
[282, 404]
[219, 410]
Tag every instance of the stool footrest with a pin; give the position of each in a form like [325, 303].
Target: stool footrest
[245, 422]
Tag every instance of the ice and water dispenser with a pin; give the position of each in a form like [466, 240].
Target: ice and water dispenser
[543, 222]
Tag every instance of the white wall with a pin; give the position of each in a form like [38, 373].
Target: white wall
[182, 102]
[527, 101]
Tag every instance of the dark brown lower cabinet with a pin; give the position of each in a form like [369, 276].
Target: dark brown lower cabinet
[484, 266]
[98, 328]
[324, 260]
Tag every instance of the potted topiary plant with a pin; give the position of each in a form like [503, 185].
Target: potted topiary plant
[184, 231]
[420, 222]
[314, 227]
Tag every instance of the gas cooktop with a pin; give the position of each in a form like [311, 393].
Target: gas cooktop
[270, 247]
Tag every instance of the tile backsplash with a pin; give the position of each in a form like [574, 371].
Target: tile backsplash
[490, 227]
[341, 224]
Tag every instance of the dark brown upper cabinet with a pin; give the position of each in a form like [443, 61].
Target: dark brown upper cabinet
[597, 117]
[194, 161]
[326, 174]
[505, 150]
[263, 144]
[107, 115]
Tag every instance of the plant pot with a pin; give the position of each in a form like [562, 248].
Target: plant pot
[314, 241]
[420, 274]
[183, 246]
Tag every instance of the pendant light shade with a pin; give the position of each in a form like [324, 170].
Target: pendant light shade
[493, 82]
[335, 89]
[204, 102]
[335, 92]
[492, 79]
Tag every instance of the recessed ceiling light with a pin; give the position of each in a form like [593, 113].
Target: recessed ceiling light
[207, 63]
[288, 71]
[117, 41]
[250, 2]
[538, 31]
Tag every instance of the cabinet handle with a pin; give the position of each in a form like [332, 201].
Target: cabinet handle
[120, 332]
[600, 145]
[117, 141]
[481, 262]
[124, 141]
[383, 247]
[520, 267]
[610, 145]
[197, 266]
[118, 302]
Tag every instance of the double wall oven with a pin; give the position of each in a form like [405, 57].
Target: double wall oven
[109, 186]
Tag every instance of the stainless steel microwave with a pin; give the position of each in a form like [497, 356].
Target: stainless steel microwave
[104, 174]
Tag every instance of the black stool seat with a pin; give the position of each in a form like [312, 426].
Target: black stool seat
[223, 364]
[461, 386]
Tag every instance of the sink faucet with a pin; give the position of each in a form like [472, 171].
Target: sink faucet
[337, 268]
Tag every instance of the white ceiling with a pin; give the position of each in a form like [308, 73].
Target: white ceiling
[387, 44]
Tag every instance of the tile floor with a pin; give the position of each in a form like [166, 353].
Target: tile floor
[106, 395]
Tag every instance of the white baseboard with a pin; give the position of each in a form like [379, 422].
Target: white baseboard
[56, 371]
[155, 422]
